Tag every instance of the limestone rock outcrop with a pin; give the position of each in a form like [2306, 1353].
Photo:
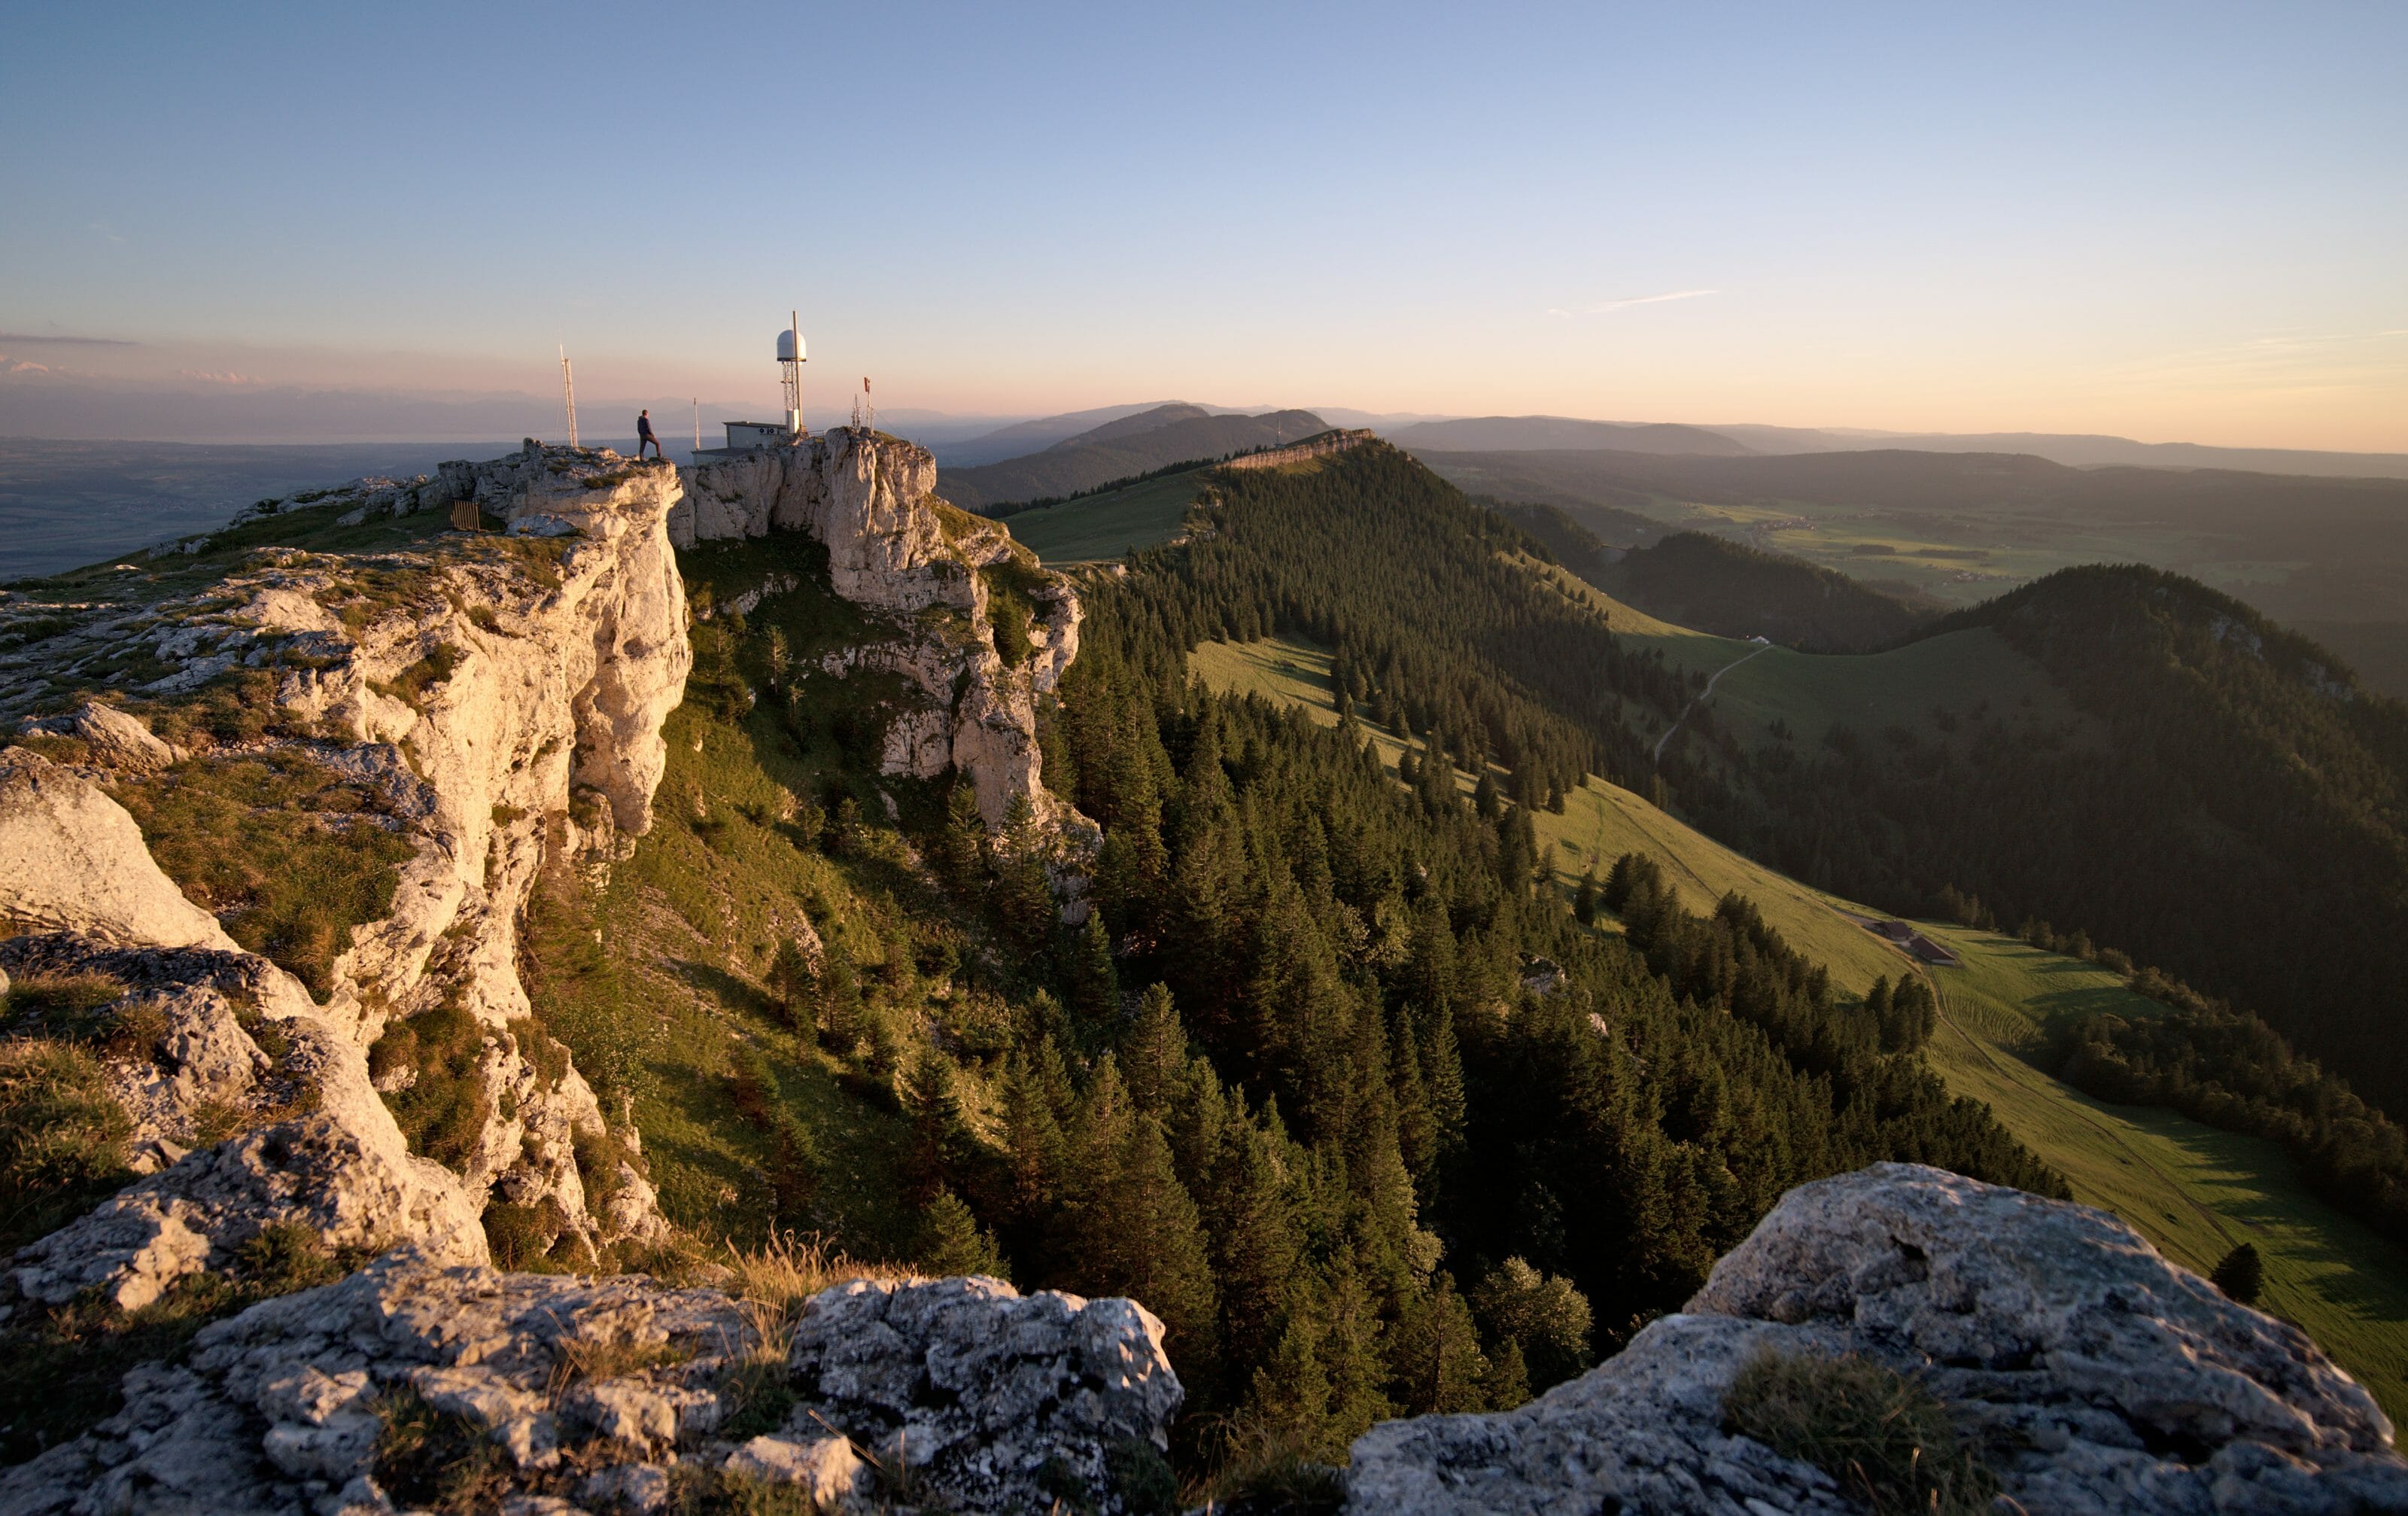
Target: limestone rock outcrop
[501, 699]
[606, 1395]
[2097, 1376]
[71, 859]
[110, 737]
[314, 1145]
[997, 1402]
[935, 572]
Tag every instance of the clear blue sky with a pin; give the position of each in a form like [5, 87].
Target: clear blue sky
[2170, 221]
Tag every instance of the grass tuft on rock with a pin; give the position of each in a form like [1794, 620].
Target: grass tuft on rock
[61, 1366]
[1882, 1435]
[61, 1137]
[276, 846]
[433, 1070]
[435, 1459]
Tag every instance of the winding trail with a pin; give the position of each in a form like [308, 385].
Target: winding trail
[1703, 695]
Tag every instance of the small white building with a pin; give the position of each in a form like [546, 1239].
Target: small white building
[744, 436]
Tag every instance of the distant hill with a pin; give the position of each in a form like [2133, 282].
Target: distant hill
[1022, 438]
[2080, 450]
[1121, 448]
[1478, 434]
[1729, 590]
[1733, 590]
[2303, 548]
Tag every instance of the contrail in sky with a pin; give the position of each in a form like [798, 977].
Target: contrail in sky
[1636, 300]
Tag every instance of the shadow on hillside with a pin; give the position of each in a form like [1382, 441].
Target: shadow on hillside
[730, 992]
[2356, 1268]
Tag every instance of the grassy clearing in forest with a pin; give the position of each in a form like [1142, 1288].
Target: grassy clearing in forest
[1963, 672]
[2193, 1191]
[1099, 528]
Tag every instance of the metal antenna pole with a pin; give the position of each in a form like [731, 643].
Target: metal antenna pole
[568, 391]
[698, 423]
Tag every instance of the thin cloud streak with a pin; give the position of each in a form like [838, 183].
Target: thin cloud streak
[1636, 300]
[69, 342]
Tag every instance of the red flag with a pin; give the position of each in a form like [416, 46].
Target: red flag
[865, 387]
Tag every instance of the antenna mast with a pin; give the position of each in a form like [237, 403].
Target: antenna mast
[790, 363]
[698, 423]
[568, 390]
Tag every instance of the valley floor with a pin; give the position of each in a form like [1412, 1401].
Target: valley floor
[2195, 1192]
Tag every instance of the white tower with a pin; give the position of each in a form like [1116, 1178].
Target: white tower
[789, 366]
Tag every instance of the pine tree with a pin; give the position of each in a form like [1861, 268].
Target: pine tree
[1435, 1362]
[1584, 900]
[1024, 896]
[960, 852]
[793, 980]
[1507, 1382]
[1161, 1258]
[939, 1135]
[1154, 1050]
[1037, 1106]
[1441, 1066]
[839, 1011]
[950, 1240]
[2241, 1275]
[1092, 983]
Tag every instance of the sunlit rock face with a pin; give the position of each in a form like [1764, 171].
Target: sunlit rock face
[2100, 1378]
[894, 548]
[497, 705]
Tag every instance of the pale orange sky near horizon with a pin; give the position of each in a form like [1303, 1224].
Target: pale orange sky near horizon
[2320, 390]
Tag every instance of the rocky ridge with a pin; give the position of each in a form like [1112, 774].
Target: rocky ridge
[937, 574]
[491, 704]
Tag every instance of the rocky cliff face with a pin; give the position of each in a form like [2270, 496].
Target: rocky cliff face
[470, 707]
[955, 582]
[480, 699]
[1304, 452]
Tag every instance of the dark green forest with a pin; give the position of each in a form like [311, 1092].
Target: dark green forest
[2241, 825]
[1374, 1120]
[1325, 1076]
[2243, 822]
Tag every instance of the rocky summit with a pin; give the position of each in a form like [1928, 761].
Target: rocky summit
[2097, 1376]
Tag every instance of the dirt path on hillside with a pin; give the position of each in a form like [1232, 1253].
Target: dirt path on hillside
[1703, 696]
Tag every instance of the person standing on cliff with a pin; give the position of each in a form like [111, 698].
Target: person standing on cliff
[644, 437]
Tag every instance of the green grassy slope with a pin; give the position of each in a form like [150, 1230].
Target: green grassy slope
[2193, 1191]
[1103, 527]
[654, 979]
[1808, 692]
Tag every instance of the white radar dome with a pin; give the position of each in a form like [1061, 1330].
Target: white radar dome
[790, 348]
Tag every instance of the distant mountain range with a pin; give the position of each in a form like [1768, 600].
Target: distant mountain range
[1522, 434]
[1119, 448]
[2077, 450]
[1514, 434]
[1022, 438]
